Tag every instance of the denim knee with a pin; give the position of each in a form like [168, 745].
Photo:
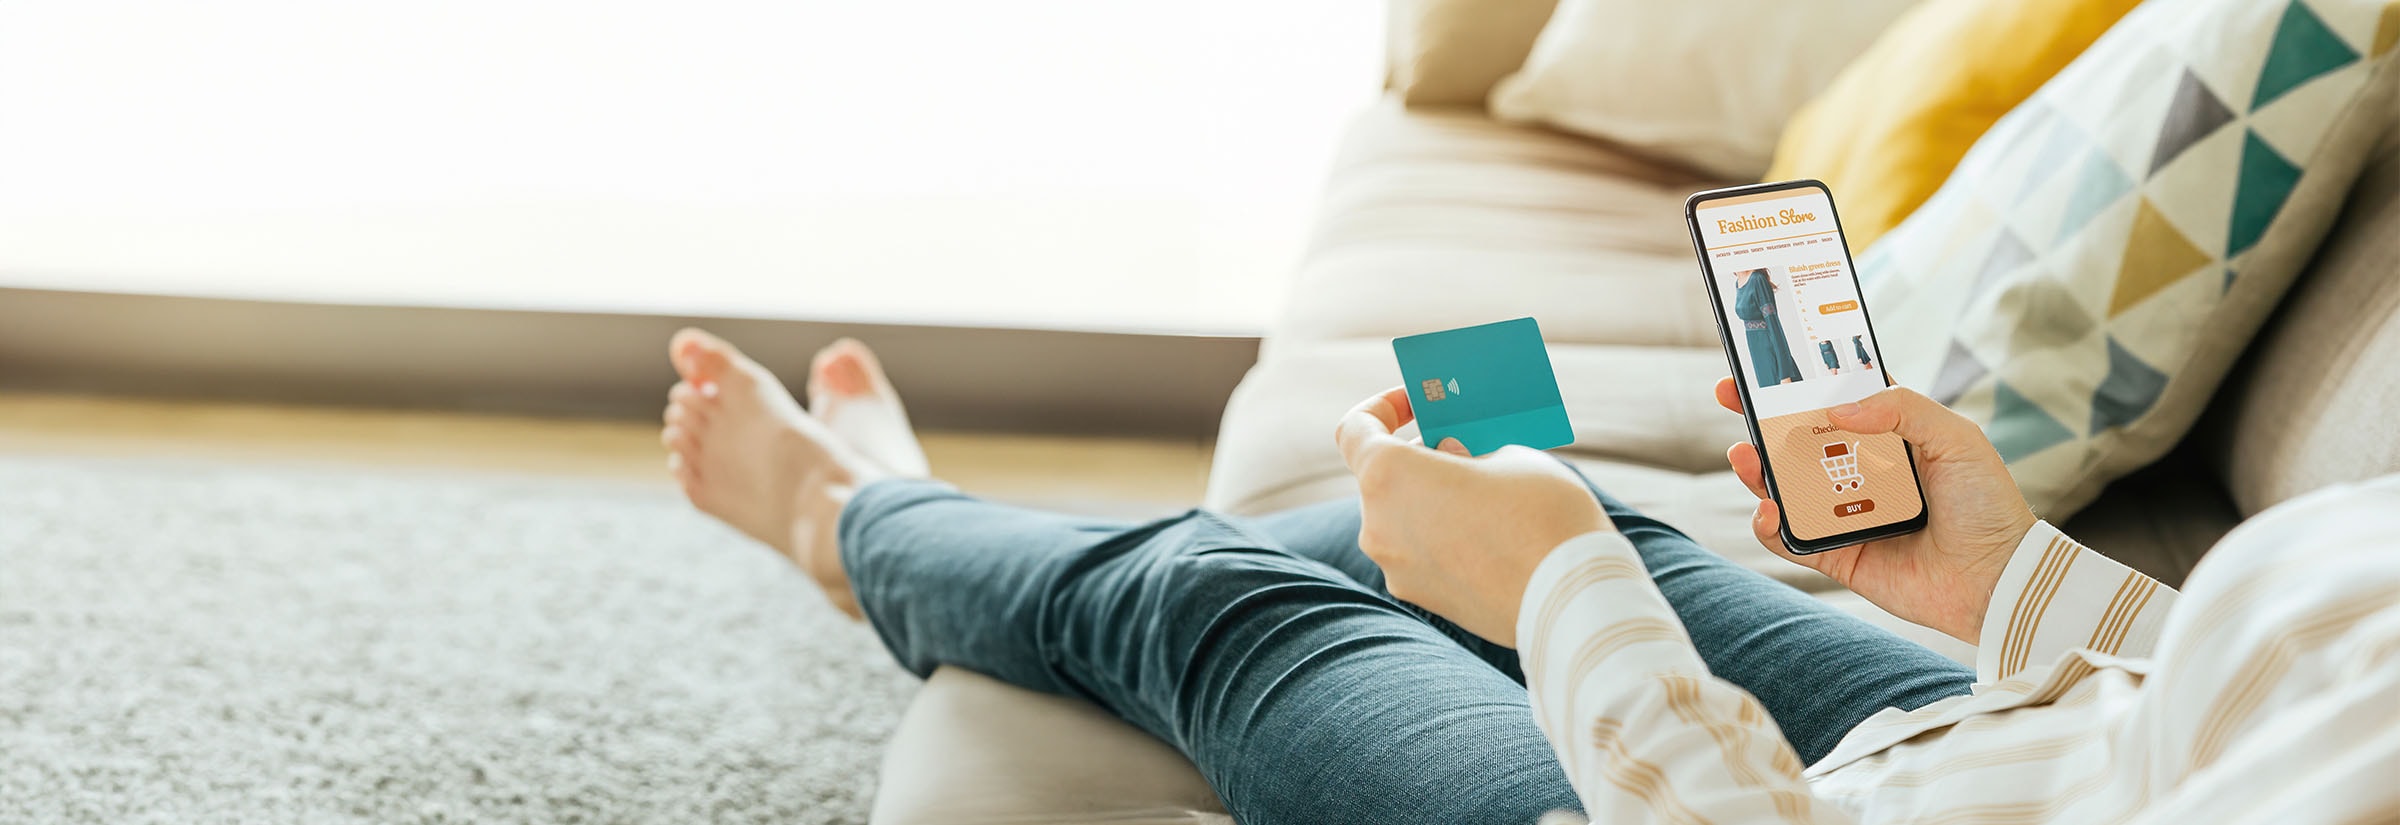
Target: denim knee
[877, 501]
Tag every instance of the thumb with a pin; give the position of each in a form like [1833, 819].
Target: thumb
[1368, 427]
[1452, 446]
[1937, 430]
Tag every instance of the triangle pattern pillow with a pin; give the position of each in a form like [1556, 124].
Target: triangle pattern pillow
[2085, 278]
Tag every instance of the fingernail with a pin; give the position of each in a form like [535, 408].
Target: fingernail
[1846, 409]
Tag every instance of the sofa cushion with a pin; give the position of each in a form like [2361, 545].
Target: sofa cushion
[1707, 83]
[2312, 402]
[2160, 519]
[974, 750]
[1450, 52]
[1438, 219]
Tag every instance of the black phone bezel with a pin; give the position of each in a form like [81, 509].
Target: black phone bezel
[1733, 362]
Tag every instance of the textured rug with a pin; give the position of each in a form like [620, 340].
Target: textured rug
[201, 643]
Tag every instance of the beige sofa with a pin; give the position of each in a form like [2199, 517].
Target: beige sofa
[1440, 218]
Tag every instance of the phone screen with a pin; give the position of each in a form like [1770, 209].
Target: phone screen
[1789, 301]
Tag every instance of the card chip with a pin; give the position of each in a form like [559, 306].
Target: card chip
[1433, 389]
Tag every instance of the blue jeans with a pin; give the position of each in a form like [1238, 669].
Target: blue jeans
[1268, 652]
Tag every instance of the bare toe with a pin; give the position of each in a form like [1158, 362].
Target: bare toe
[845, 367]
[686, 404]
[698, 356]
[679, 440]
[849, 392]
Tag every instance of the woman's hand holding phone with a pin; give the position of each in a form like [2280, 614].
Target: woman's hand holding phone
[1941, 577]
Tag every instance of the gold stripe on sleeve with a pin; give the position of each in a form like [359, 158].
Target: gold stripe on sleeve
[2070, 674]
[1601, 645]
[2133, 612]
[2030, 752]
[2047, 590]
[1683, 698]
[2027, 813]
[2016, 613]
[2033, 628]
[1643, 780]
[1735, 740]
[2257, 676]
[2114, 614]
[1569, 586]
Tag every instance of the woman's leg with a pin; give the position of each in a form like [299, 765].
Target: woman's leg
[1327, 533]
[1817, 670]
[1301, 694]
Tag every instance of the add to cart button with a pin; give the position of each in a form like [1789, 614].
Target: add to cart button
[1852, 508]
[1837, 306]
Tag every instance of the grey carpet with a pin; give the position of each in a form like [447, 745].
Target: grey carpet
[194, 643]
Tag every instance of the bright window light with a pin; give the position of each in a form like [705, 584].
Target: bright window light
[1070, 163]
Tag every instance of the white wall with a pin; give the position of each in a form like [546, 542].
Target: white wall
[1080, 163]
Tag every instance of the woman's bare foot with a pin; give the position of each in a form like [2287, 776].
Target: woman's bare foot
[745, 452]
[848, 391]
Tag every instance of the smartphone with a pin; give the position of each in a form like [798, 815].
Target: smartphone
[1798, 338]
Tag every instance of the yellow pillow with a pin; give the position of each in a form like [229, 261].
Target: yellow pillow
[1896, 120]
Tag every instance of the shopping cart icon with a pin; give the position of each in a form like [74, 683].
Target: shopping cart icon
[1841, 465]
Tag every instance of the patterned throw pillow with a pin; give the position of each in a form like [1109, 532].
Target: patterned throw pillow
[2085, 278]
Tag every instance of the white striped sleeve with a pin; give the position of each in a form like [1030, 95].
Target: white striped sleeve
[2057, 595]
[2274, 698]
[1644, 732]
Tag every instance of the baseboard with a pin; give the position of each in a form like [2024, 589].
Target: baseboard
[595, 364]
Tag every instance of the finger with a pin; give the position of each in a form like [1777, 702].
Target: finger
[1368, 427]
[1454, 447]
[1729, 396]
[1838, 564]
[1766, 523]
[1746, 467]
[1934, 428]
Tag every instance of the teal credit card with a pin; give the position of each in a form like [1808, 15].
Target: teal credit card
[1488, 386]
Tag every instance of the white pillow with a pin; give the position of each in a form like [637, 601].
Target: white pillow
[1706, 82]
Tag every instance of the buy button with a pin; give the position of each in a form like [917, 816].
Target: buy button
[1852, 508]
